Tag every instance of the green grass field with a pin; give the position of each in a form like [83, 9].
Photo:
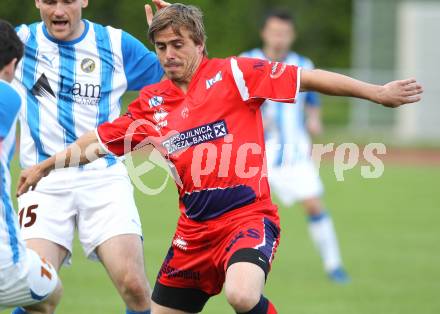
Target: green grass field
[389, 231]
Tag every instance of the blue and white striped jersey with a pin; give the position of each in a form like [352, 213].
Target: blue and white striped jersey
[69, 88]
[284, 124]
[11, 245]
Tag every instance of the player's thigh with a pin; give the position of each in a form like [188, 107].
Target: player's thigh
[123, 256]
[106, 209]
[159, 309]
[250, 249]
[31, 281]
[54, 253]
[188, 276]
[244, 280]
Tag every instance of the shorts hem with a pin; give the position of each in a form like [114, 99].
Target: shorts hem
[184, 299]
[90, 249]
[253, 256]
[55, 240]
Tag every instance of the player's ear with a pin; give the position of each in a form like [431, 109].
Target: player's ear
[9, 70]
[13, 63]
[37, 4]
[293, 34]
[200, 48]
[84, 3]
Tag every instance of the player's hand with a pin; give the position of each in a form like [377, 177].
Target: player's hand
[397, 93]
[29, 178]
[314, 126]
[159, 4]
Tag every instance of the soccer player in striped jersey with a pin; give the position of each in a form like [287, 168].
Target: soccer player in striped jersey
[71, 79]
[292, 174]
[25, 278]
[205, 119]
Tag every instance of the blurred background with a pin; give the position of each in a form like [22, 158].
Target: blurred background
[389, 227]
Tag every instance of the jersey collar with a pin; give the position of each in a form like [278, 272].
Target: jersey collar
[197, 73]
[69, 42]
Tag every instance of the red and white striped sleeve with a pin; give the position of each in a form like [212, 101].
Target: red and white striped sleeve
[261, 79]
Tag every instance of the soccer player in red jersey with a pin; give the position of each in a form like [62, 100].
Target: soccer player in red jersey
[205, 120]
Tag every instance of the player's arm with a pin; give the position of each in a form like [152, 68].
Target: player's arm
[118, 137]
[393, 94]
[84, 150]
[159, 4]
[313, 113]
[314, 123]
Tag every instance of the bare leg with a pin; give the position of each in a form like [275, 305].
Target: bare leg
[52, 252]
[49, 305]
[159, 309]
[324, 237]
[244, 286]
[123, 259]
[313, 206]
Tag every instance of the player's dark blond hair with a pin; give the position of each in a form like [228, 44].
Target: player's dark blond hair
[180, 16]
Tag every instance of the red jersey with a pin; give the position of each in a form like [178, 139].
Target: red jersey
[212, 135]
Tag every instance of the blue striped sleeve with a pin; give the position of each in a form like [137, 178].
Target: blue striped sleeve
[312, 98]
[10, 103]
[19, 28]
[141, 66]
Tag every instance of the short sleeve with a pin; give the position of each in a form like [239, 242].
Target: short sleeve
[127, 133]
[311, 98]
[10, 103]
[260, 79]
[22, 32]
[141, 66]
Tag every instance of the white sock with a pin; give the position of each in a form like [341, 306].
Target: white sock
[324, 237]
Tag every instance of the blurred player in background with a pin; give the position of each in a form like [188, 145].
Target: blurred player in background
[206, 121]
[25, 278]
[72, 77]
[292, 174]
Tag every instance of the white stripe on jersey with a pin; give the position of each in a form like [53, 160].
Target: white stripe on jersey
[239, 80]
[284, 123]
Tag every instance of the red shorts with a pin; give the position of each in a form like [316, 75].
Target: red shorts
[202, 251]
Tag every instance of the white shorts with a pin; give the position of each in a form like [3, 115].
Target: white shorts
[99, 203]
[30, 281]
[292, 175]
[296, 182]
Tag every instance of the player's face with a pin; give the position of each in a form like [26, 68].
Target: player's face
[278, 34]
[62, 17]
[178, 54]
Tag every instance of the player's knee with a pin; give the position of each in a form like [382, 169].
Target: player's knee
[55, 297]
[242, 300]
[313, 206]
[49, 305]
[134, 286]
